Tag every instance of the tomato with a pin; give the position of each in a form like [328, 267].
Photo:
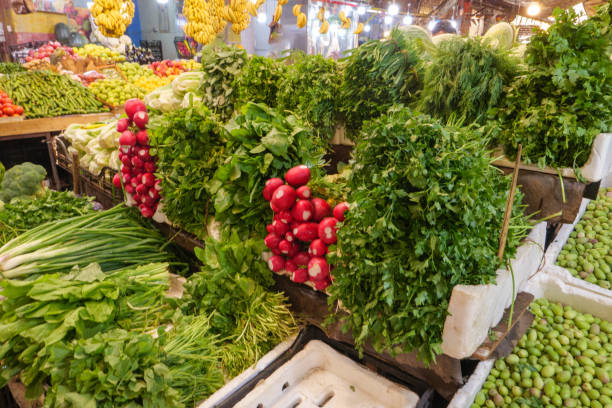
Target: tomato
[19, 109]
[8, 110]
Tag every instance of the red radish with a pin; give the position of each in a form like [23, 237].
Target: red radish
[339, 211]
[135, 181]
[302, 211]
[144, 155]
[304, 193]
[290, 266]
[270, 186]
[306, 232]
[141, 118]
[289, 236]
[136, 197]
[148, 179]
[137, 163]
[284, 217]
[285, 247]
[270, 228]
[301, 258]
[293, 250]
[127, 138]
[147, 212]
[154, 194]
[321, 208]
[327, 230]
[279, 228]
[298, 176]
[274, 207]
[130, 189]
[132, 106]
[272, 240]
[117, 180]
[141, 189]
[276, 251]
[276, 263]
[125, 169]
[293, 226]
[284, 197]
[158, 185]
[321, 284]
[150, 167]
[148, 201]
[142, 137]
[318, 268]
[300, 276]
[123, 124]
[317, 248]
[127, 178]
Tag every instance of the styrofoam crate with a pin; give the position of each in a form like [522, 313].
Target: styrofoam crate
[319, 376]
[474, 309]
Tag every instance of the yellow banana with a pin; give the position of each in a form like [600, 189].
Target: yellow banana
[278, 12]
[283, 2]
[324, 27]
[297, 9]
[359, 29]
[321, 14]
[342, 16]
[347, 24]
[301, 21]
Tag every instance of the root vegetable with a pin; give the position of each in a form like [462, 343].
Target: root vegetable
[272, 240]
[321, 208]
[142, 137]
[284, 217]
[127, 138]
[301, 258]
[285, 247]
[317, 248]
[302, 211]
[132, 106]
[280, 228]
[290, 266]
[304, 193]
[117, 180]
[306, 232]
[318, 268]
[322, 284]
[300, 276]
[289, 236]
[283, 197]
[276, 263]
[298, 176]
[339, 211]
[327, 230]
[141, 118]
[271, 186]
[148, 179]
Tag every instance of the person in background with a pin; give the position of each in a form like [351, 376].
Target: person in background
[443, 27]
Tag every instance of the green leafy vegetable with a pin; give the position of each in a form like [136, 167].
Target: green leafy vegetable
[22, 180]
[259, 80]
[11, 67]
[425, 216]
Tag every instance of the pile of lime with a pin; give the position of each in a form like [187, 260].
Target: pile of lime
[133, 71]
[588, 251]
[564, 360]
[115, 92]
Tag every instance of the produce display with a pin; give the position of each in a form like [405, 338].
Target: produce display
[10, 68]
[140, 55]
[205, 19]
[22, 180]
[259, 80]
[115, 92]
[45, 94]
[181, 93]
[588, 251]
[133, 70]
[562, 361]
[96, 145]
[169, 68]
[112, 16]
[47, 50]
[7, 108]
[558, 106]
[152, 82]
[99, 51]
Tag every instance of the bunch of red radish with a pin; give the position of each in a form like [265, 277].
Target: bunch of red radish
[301, 229]
[137, 166]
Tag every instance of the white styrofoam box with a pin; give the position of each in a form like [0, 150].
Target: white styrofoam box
[552, 287]
[555, 247]
[241, 379]
[474, 309]
[320, 376]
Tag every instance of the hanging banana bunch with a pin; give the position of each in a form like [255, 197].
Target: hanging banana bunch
[112, 16]
[321, 14]
[204, 19]
[346, 22]
[359, 29]
[252, 7]
[237, 13]
[324, 24]
[301, 17]
[278, 11]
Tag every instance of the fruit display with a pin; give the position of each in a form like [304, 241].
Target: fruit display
[588, 252]
[204, 19]
[190, 64]
[39, 64]
[133, 70]
[96, 144]
[112, 16]
[7, 108]
[167, 68]
[149, 83]
[139, 54]
[45, 51]
[46, 94]
[115, 92]
[302, 228]
[562, 361]
[89, 77]
[99, 51]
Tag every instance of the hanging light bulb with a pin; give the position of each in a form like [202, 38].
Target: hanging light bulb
[367, 28]
[431, 24]
[361, 10]
[388, 20]
[407, 19]
[262, 17]
[393, 9]
[534, 9]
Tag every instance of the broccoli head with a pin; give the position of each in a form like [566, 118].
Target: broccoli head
[24, 179]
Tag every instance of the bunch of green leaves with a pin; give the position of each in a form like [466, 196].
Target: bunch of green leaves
[564, 100]
[11, 67]
[262, 143]
[424, 217]
[231, 289]
[187, 143]
[309, 89]
[377, 75]
[465, 78]
[49, 313]
[22, 214]
[259, 80]
[222, 64]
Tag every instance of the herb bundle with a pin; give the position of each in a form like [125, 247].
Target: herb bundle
[564, 99]
[187, 144]
[465, 78]
[259, 80]
[377, 75]
[427, 219]
[309, 89]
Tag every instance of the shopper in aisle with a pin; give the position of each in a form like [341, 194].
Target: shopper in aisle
[443, 27]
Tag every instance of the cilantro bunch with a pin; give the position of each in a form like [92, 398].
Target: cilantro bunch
[425, 217]
[564, 99]
[309, 89]
[465, 78]
[259, 80]
[378, 74]
[187, 143]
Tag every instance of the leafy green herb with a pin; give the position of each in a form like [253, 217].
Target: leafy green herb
[221, 64]
[259, 80]
[425, 218]
[11, 67]
[309, 89]
[465, 78]
[563, 101]
[378, 74]
[187, 144]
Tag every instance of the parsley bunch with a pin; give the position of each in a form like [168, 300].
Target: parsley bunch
[259, 80]
[565, 98]
[426, 217]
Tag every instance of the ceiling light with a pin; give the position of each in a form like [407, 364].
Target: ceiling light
[454, 24]
[431, 25]
[388, 20]
[361, 10]
[90, 4]
[367, 28]
[386, 34]
[393, 9]
[407, 19]
[262, 17]
[534, 9]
